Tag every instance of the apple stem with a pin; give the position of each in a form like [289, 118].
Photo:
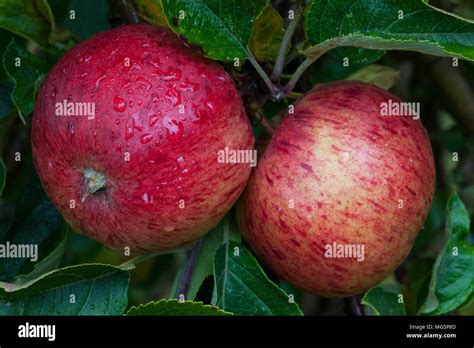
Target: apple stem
[191, 258]
[285, 43]
[93, 183]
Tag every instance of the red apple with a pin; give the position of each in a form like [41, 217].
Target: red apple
[126, 133]
[341, 191]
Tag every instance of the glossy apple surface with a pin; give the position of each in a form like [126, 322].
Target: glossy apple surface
[142, 172]
[339, 174]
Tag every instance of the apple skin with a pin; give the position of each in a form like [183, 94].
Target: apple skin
[140, 79]
[350, 198]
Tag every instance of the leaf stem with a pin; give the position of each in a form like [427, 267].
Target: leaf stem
[285, 43]
[191, 259]
[130, 264]
[274, 90]
[301, 69]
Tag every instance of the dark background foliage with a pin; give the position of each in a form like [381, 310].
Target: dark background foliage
[444, 91]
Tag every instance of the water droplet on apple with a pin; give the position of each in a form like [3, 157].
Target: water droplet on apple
[188, 86]
[146, 138]
[145, 83]
[173, 96]
[147, 198]
[155, 98]
[119, 104]
[174, 129]
[180, 161]
[170, 75]
[153, 119]
[99, 80]
[127, 85]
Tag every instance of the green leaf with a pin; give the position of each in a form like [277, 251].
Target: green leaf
[457, 222]
[243, 288]
[383, 302]
[152, 12]
[224, 231]
[3, 176]
[31, 19]
[5, 99]
[49, 262]
[42, 230]
[419, 275]
[388, 25]
[37, 224]
[23, 68]
[379, 75]
[88, 289]
[434, 222]
[355, 56]
[452, 281]
[267, 35]
[222, 28]
[90, 16]
[173, 307]
[291, 290]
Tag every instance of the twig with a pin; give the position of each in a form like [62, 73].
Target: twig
[294, 95]
[130, 264]
[191, 258]
[274, 90]
[264, 123]
[285, 43]
[299, 71]
[254, 98]
[127, 11]
[455, 90]
[352, 306]
[302, 68]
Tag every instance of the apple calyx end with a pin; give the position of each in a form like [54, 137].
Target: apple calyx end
[94, 182]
